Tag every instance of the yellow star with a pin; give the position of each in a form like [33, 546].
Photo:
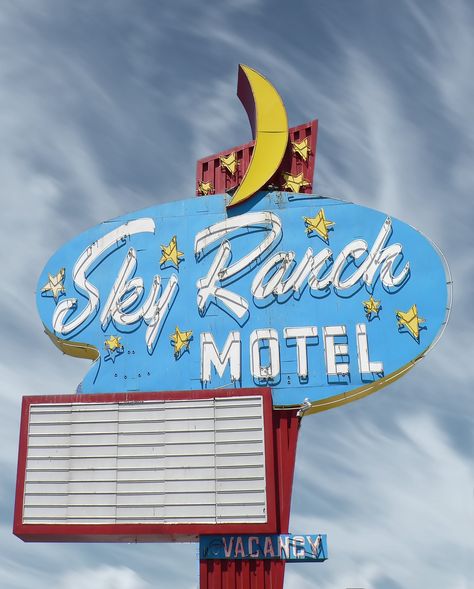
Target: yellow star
[113, 343]
[318, 223]
[301, 148]
[205, 187]
[171, 253]
[295, 183]
[411, 320]
[55, 284]
[229, 162]
[181, 340]
[371, 307]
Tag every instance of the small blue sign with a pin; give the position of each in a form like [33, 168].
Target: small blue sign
[322, 300]
[288, 547]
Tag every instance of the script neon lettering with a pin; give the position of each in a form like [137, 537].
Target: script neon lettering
[219, 272]
[125, 292]
[275, 276]
[84, 266]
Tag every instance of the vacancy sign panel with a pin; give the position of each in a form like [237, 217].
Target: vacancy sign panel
[138, 464]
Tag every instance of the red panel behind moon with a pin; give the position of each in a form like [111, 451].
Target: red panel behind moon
[213, 177]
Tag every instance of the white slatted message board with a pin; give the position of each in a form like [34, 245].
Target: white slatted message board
[186, 461]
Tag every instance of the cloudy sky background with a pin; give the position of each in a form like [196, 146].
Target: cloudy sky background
[105, 106]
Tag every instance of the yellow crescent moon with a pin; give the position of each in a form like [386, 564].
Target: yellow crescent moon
[269, 122]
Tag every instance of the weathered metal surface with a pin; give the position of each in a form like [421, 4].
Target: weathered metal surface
[287, 547]
[262, 574]
[134, 466]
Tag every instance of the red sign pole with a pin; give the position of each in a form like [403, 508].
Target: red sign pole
[262, 574]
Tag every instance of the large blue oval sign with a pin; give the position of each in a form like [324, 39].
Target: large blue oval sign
[322, 300]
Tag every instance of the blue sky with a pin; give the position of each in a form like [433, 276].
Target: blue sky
[105, 108]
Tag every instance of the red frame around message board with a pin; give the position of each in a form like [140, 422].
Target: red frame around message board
[141, 532]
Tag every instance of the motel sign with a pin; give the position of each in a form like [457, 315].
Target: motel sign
[213, 324]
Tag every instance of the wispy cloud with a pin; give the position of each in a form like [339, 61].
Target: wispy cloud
[392, 490]
[103, 576]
